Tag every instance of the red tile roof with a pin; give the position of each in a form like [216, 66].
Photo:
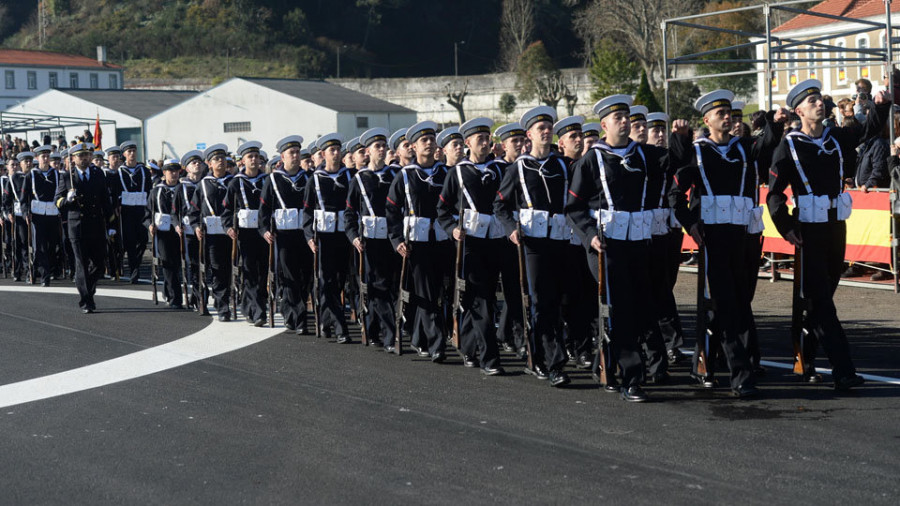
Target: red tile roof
[857, 9]
[49, 59]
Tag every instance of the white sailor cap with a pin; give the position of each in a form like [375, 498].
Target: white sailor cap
[23, 155]
[638, 113]
[613, 103]
[802, 90]
[353, 145]
[421, 129]
[274, 160]
[476, 126]
[64, 153]
[153, 165]
[373, 135]
[56, 155]
[171, 164]
[344, 151]
[509, 130]
[714, 99]
[98, 153]
[566, 125]
[313, 149]
[127, 145]
[591, 129]
[737, 108]
[215, 149]
[190, 156]
[536, 115]
[248, 147]
[113, 149]
[657, 119]
[291, 141]
[448, 134]
[398, 137]
[81, 147]
[326, 141]
[304, 154]
[43, 149]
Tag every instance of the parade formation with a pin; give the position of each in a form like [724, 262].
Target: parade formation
[554, 239]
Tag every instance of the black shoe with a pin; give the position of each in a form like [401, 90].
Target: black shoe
[852, 272]
[87, 310]
[675, 356]
[811, 378]
[508, 348]
[303, 331]
[611, 388]
[422, 352]
[881, 276]
[438, 357]
[745, 391]
[290, 326]
[492, 371]
[759, 371]
[470, 362]
[225, 317]
[705, 381]
[260, 321]
[692, 260]
[559, 379]
[134, 280]
[176, 305]
[523, 353]
[538, 372]
[584, 361]
[344, 339]
[45, 284]
[17, 279]
[390, 349]
[570, 355]
[658, 379]
[848, 382]
[633, 394]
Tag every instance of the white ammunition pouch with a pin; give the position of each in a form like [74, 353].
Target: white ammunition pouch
[162, 221]
[42, 208]
[756, 225]
[814, 208]
[186, 225]
[625, 225]
[673, 221]
[534, 222]
[418, 228]
[660, 224]
[213, 225]
[328, 221]
[135, 199]
[287, 219]
[844, 204]
[496, 231]
[559, 229]
[248, 218]
[17, 208]
[477, 224]
[374, 227]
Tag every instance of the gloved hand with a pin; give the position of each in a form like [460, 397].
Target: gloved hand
[70, 197]
[111, 232]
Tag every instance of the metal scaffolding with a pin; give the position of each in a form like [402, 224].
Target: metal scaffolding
[14, 122]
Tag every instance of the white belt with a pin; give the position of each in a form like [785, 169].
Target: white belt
[624, 225]
[42, 208]
[814, 208]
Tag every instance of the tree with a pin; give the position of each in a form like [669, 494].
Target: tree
[682, 95]
[507, 104]
[644, 95]
[456, 96]
[516, 30]
[571, 99]
[611, 70]
[534, 65]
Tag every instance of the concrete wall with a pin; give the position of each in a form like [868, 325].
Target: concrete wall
[428, 95]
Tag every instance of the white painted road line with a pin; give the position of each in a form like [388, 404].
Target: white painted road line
[216, 339]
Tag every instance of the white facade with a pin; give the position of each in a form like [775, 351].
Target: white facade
[20, 83]
[240, 110]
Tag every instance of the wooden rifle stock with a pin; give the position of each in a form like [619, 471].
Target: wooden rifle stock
[704, 306]
[154, 275]
[235, 261]
[315, 294]
[798, 307]
[363, 296]
[403, 294]
[526, 298]
[459, 287]
[272, 277]
[184, 269]
[30, 249]
[201, 274]
[600, 368]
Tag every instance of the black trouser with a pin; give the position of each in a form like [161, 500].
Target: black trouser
[665, 261]
[481, 270]
[381, 269]
[191, 268]
[333, 260]
[427, 266]
[547, 276]
[88, 237]
[169, 254]
[510, 325]
[351, 285]
[254, 251]
[134, 238]
[579, 309]
[7, 245]
[20, 247]
[294, 261]
[824, 245]
[218, 267]
[754, 253]
[628, 294]
[726, 275]
[46, 242]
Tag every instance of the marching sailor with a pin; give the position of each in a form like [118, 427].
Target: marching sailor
[38, 194]
[451, 143]
[17, 213]
[402, 149]
[131, 185]
[590, 134]
[192, 163]
[163, 216]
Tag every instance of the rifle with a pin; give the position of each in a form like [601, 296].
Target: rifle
[154, 261]
[2, 251]
[799, 334]
[705, 307]
[363, 297]
[315, 294]
[235, 262]
[403, 297]
[459, 287]
[201, 277]
[526, 298]
[30, 249]
[270, 284]
[184, 268]
[601, 368]
[15, 242]
[119, 253]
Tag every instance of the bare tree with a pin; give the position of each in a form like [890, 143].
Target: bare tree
[516, 31]
[456, 96]
[571, 99]
[551, 88]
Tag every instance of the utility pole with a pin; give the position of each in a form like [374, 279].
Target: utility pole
[339, 62]
[456, 57]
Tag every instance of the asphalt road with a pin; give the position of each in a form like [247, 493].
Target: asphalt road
[295, 420]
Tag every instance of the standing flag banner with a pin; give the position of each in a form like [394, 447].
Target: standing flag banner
[98, 134]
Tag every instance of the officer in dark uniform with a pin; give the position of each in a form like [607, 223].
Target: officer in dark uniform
[532, 197]
[323, 224]
[131, 184]
[722, 180]
[38, 194]
[241, 220]
[84, 197]
[469, 189]
[164, 219]
[615, 189]
[207, 219]
[192, 163]
[282, 199]
[366, 228]
[811, 161]
[15, 208]
[411, 211]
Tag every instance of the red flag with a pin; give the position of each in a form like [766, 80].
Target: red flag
[98, 134]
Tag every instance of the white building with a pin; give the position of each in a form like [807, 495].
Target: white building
[28, 73]
[266, 110]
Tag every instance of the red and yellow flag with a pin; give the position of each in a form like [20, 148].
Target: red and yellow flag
[98, 134]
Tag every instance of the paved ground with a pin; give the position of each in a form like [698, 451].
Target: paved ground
[291, 420]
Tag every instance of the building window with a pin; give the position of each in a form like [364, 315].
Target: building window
[95, 81]
[10, 80]
[863, 43]
[73, 80]
[842, 68]
[362, 122]
[54, 80]
[113, 82]
[241, 126]
[813, 74]
[32, 80]
[792, 75]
